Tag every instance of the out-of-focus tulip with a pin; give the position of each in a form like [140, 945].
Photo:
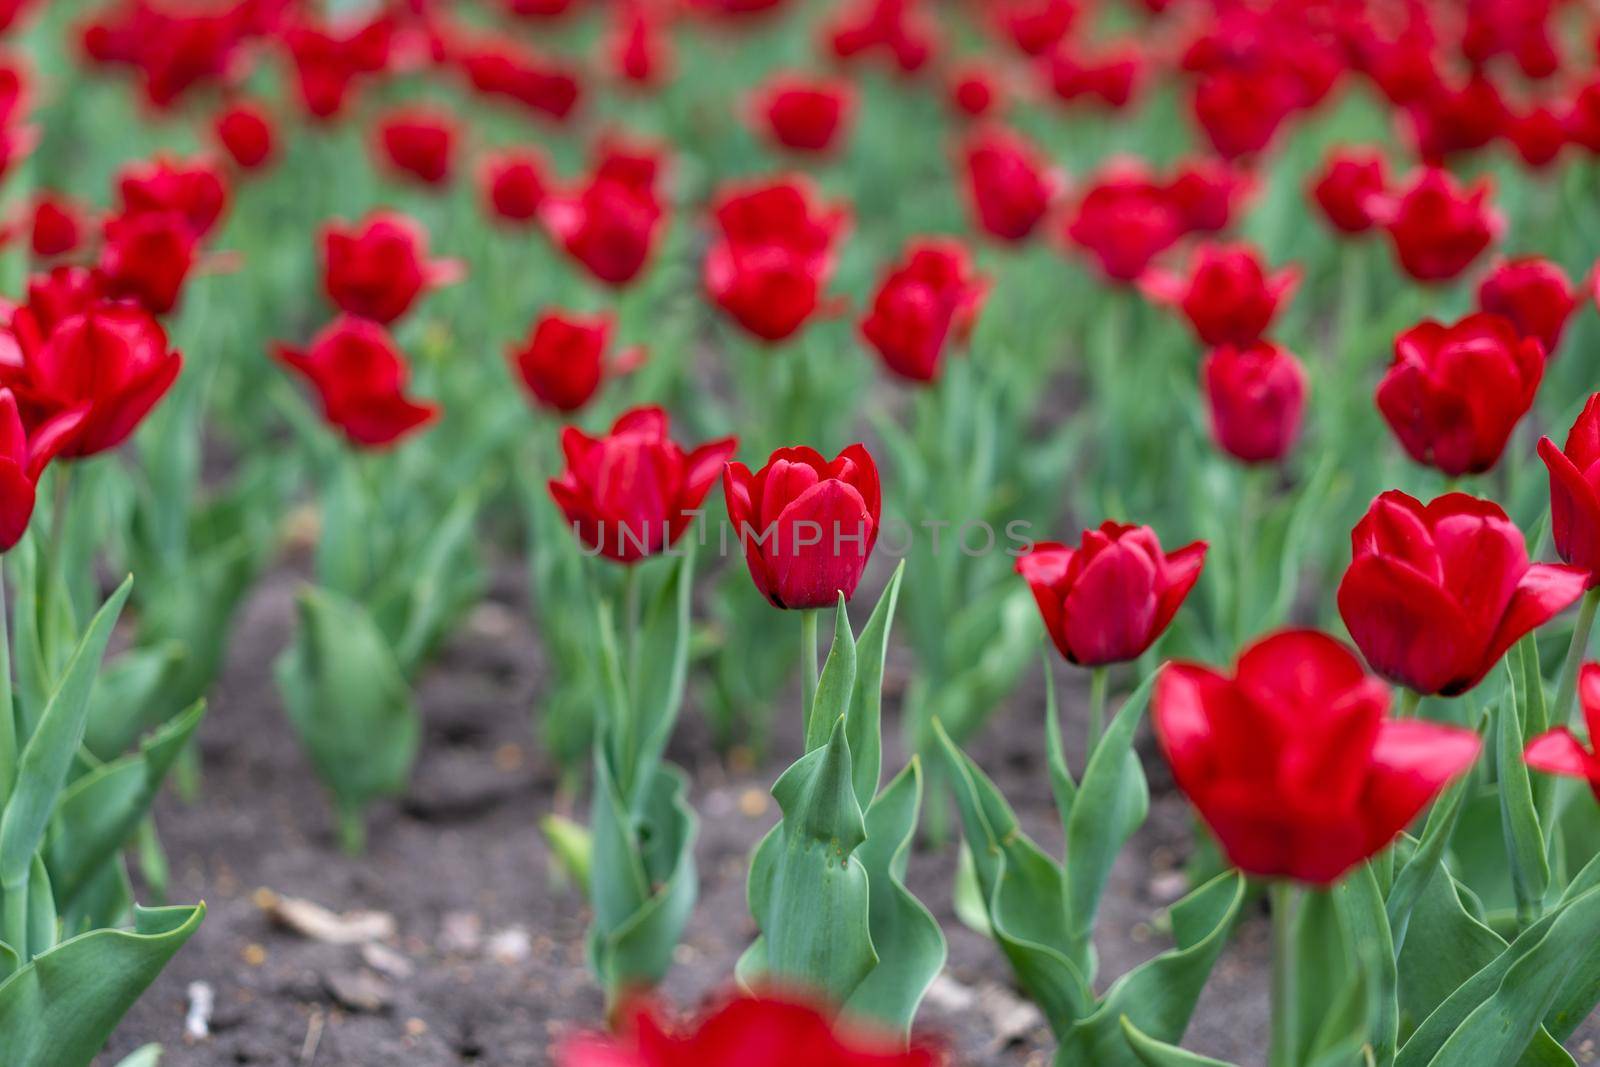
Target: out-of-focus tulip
[23, 457]
[418, 143]
[1123, 221]
[378, 268]
[514, 185]
[1449, 120]
[1110, 598]
[504, 69]
[773, 256]
[195, 191]
[55, 227]
[1454, 393]
[563, 361]
[1538, 135]
[360, 377]
[1294, 762]
[807, 525]
[245, 132]
[1436, 593]
[147, 257]
[975, 92]
[1206, 194]
[1559, 751]
[1575, 491]
[1348, 186]
[1437, 227]
[804, 114]
[1256, 396]
[1228, 296]
[929, 298]
[894, 28]
[1110, 78]
[630, 494]
[639, 49]
[327, 63]
[744, 1032]
[1008, 185]
[1534, 294]
[1035, 26]
[609, 224]
[1241, 110]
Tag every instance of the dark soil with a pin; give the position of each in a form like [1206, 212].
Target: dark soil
[462, 852]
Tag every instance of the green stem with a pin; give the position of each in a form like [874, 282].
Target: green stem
[10, 743]
[352, 830]
[1243, 590]
[1283, 897]
[1098, 678]
[1410, 700]
[1567, 689]
[631, 615]
[808, 666]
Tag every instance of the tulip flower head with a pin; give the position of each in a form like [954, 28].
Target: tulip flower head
[1534, 294]
[23, 457]
[1109, 599]
[360, 376]
[802, 114]
[418, 144]
[1575, 491]
[246, 133]
[564, 359]
[1349, 185]
[55, 226]
[1256, 396]
[195, 191]
[1438, 228]
[1207, 193]
[807, 524]
[1454, 393]
[514, 186]
[378, 268]
[609, 224]
[1436, 593]
[1228, 297]
[1008, 184]
[146, 258]
[1559, 751]
[630, 494]
[1293, 761]
[929, 298]
[1123, 221]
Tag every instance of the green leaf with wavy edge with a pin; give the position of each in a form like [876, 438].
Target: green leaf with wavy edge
[126, 698]
[58, 1010]
[907, 938]
[1153, 1053]
[47, 755]
[864, 724]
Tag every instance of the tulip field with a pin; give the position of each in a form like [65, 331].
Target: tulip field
[799, 533]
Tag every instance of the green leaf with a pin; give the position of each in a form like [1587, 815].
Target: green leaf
[1061, 783]
[430, 586]
[126, 698]
[1425, 861]
[573, 848]
[58, 1010]
[47, 755]
[1445, 946]
[864, 724]
[831, 704]
[1153, 1053]
[660, 669]
[1366, 924]
[1519, 814]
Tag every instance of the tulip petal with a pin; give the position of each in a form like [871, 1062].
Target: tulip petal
[701, 468]
[1408, 629]
[17, 496]
[1546, 590]
[1182, 570]
[820, 546]
[1558, 751]
[1589, 698]
[1412, 760]
[1574, 510]
[1109, 613]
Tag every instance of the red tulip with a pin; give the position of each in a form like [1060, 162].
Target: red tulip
[892, 27]
[514, 185]
[1454, 393]
[1293, 761]
[928, 298]
[75, 352]
[805, 115]
[975, 92]
[773, 255]
[1350, 183]
[23, 457]
[1256, 395]
[1241, 110]
[146, 258]
[564, 359]
[1534, 294]
[1109, 78]
[542, 9]
[1109, 599]
[639, 49]
[1448, 120]
[807, 525]
[194, 191]
[1438, 228]
[1436, 593]
[1559, 751]
[1575, 491]
[1538, 135]
[245, 132]
[376, 270]
[56, 227]
[1124, 220]
[609, 225]
[745, 1032]
[1228, 297]
[1035, 26]
[1008, 184]
[630, 494]
[327, 63]
[418, 143]
[504, 69]
[1206, 192]
[360, 377]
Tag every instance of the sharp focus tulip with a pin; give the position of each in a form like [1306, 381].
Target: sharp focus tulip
[1559, 751]
[745, 1032]
[1454, 393]
[514, 186]
[564, 360]
[1294, 763]
[418, 143]
[1437, 227]
[929, 298]
[1534, 294]
[630, 494]
[360, 377]
[246, 133]
[804, 115]
[1350, 183]
[1110, 598]
[1436, 593]
[1123, 221]
[377, 269]
[609, 225]
[107, 360]
[807, 525]
[195, 191]
[1575, 491]
[1256, 396]
[1008, 184]
[1228, 297]
[23, 457]
[773, 256]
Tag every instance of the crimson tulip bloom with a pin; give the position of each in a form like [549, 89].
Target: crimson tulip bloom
[418, 143]
[931, 296]
[1256, 396]
[1228, 297]
[639, 48]
[773, 255]
[360, 377]
[1035, 26]
[1575, 491]
[975, 92]
[245, 131]
[1558, 751]
[327, 63]
[1124, 220]
[1436, 593]
[503, 69]
[1351, 182]
[1008, 184]
[801, 114]
[377, 269]
[1534, 294]
[146, 258]
[564, 359]
[194, 191]
[1454, 393]
[807, 525]
[1206, 193]
[744, 1032]
[514, 185]
[609, 225]
[56, 226]
[1538, 135]
[1437, 227]
[1293, 761]
[630, 494]
[892, 28]
[1110, 78]
[109, 362]
[23, 457]
[1110, 598]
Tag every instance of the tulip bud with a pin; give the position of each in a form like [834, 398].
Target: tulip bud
[146, 258]
[195, 191]
[1228, 296]
[1438, 228]
[56, 227]
[1124, 220]
[1256, 395]
[609, 224]
[514, 186]
[803, 115]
